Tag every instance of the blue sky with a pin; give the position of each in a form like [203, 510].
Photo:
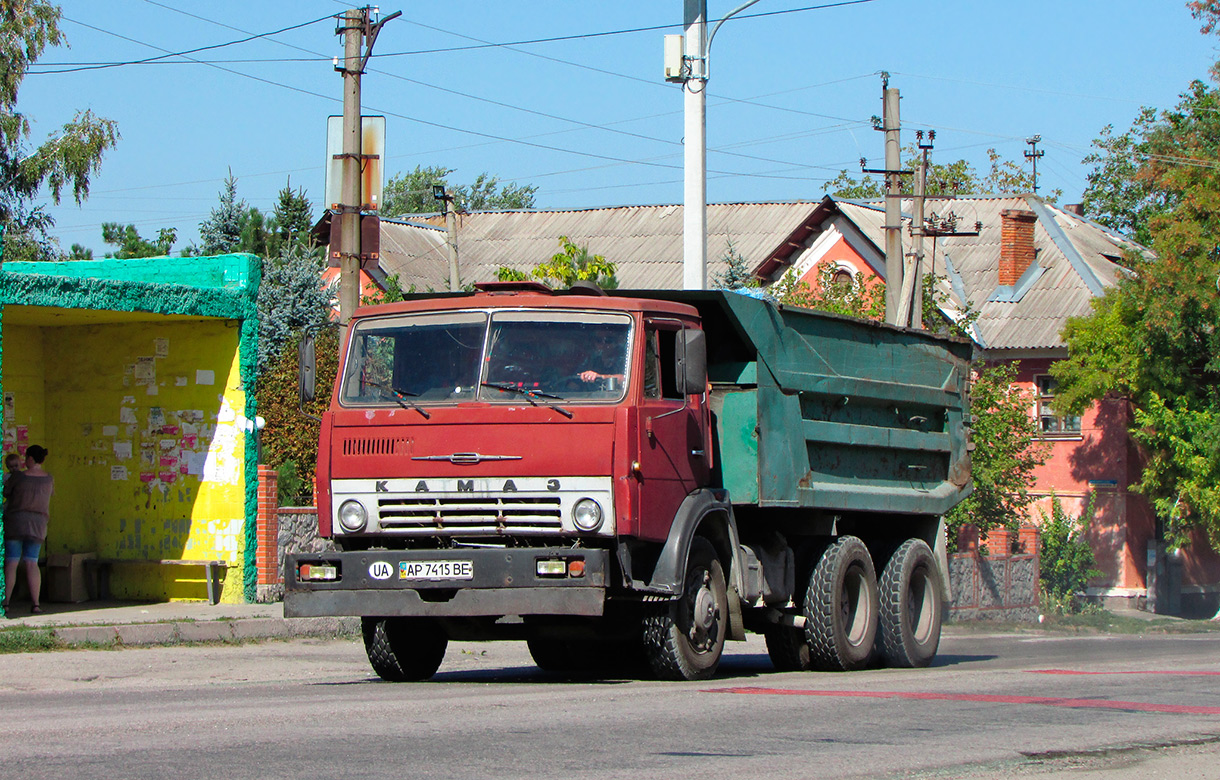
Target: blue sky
[591, 121]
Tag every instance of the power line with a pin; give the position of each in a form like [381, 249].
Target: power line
[102, 66]
[608, 33]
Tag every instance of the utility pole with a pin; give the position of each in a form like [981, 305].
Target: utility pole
[352, 29]
[914, 316]
[694, 192]
[1032, 155]
[687, 61]
[893, 201]
[354, 26]
[438, 192]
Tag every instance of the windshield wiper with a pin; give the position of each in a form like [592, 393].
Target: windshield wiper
[530, 395]
[402, 398]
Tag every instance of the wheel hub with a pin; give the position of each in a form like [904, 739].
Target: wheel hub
[705, 610]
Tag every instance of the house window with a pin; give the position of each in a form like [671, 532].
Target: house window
[842, 278]
[1050, 422]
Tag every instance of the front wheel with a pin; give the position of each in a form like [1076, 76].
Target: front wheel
[910, 606]
[403, 649]
[684, 639]
[841, 607]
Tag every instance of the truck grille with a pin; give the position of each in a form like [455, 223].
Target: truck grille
[452, 516]
[373, 445]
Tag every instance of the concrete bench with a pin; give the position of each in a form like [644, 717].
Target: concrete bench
[101, 567]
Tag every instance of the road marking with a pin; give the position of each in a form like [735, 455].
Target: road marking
[1049, 701]
[1133, 671]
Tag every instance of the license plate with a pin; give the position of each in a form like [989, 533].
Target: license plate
[436, 570]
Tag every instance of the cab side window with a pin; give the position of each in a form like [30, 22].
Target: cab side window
[660, 380]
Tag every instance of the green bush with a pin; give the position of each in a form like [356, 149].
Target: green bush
[289, 436]
[1067, 562]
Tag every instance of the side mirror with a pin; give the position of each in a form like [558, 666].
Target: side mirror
[690, 362]
[307, 369]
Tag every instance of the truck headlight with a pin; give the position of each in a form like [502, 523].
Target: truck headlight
[353, 516]
[587, 515]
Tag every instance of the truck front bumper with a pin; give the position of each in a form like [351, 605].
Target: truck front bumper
[463, 582]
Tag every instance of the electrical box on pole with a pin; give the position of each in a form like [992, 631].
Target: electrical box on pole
[675, 46]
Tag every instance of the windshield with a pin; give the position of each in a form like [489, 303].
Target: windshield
[501, 356]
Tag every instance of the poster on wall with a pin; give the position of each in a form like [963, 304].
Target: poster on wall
[145, 371]
[10, 411]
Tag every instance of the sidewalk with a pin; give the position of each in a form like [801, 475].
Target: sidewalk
[136, 623]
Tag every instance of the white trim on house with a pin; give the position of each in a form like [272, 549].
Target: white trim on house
[838, 227]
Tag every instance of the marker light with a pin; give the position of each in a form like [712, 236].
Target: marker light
[552, 568]
[315, 572]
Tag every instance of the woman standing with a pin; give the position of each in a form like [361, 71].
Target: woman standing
[26, 513]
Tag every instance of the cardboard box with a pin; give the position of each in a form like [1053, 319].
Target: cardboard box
[66, 577]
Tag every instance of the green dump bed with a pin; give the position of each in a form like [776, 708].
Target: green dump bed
[817, 410]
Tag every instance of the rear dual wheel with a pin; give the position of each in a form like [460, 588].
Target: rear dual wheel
[911, 603]
[841, 607]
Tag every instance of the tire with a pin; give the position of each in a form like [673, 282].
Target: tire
[403, 649]
[684, 639]
[841, 607]
[911, 601]
[789, 649]
[557, 655]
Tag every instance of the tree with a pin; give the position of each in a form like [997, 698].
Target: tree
[1009, 448]
[411, 193]
[856, 296]
[569, 265]
[573, 263]
[955, 178]
[221, 231]
[1154, 338]
[80, 252]
[254, 233]
[1066, 562]
[488, 194]
[738, 274]
[1116, 195]
[292, 219]
[130, 244]
[290, 297]
[68, 157]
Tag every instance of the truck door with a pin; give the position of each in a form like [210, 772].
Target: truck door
[672, 440]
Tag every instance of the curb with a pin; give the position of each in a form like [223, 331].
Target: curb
[239, 630]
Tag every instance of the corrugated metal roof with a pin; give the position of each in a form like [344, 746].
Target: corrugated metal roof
[644, 242]
[1036, 320]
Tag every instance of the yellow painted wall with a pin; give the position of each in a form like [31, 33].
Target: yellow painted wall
[144, 425]
[25, 418]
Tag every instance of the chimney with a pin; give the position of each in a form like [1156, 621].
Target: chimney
[1075, 208]
[1016, 244]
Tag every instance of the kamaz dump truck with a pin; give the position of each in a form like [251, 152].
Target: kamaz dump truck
[628, 480]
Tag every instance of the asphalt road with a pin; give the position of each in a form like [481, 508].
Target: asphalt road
[992, 706]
